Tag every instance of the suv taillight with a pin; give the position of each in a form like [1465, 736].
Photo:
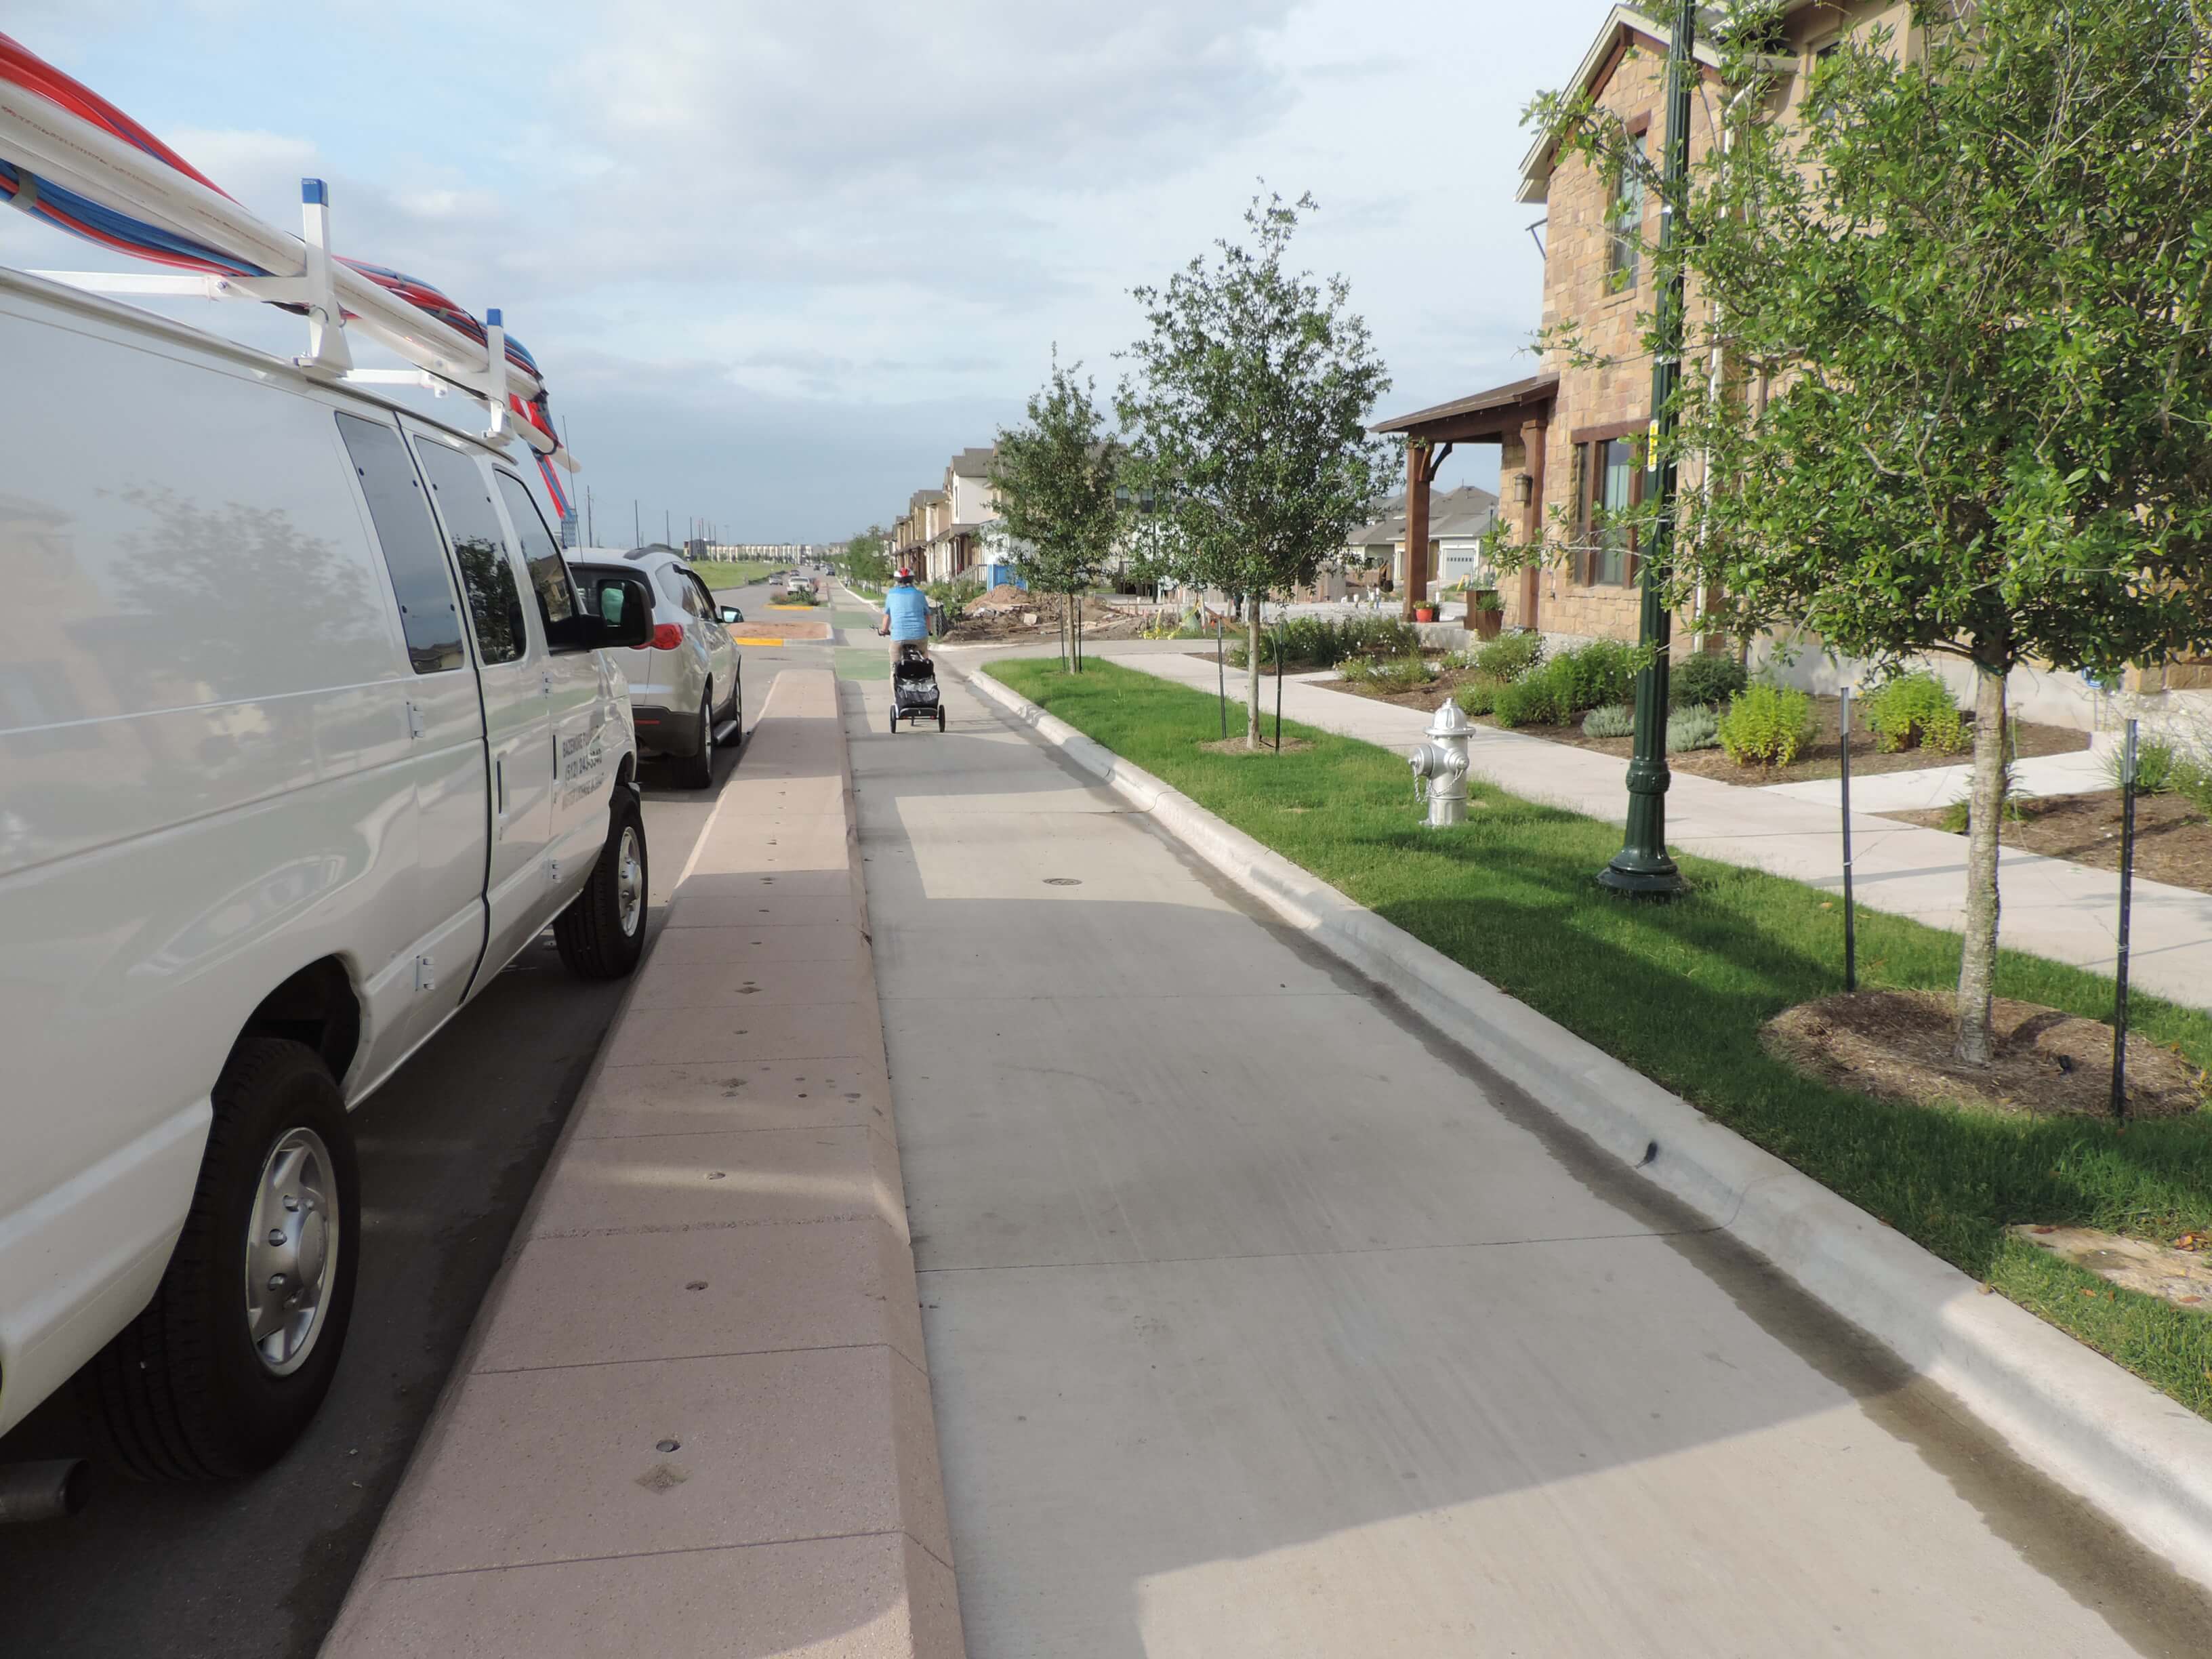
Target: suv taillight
[667, 637]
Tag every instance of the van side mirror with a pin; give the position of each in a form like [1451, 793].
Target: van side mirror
[730, 613]
[624, 607]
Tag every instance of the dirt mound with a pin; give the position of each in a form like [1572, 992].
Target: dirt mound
[1005, 597]
[989, 618]
[1896, 1045]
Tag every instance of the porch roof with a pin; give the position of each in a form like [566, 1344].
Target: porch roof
[1486, 417]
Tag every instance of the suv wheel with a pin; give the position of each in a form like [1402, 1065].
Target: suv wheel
[229, 1361]
[696, 770]
[602, 932]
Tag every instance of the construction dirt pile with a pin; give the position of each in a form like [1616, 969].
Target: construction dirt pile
[1007, 612]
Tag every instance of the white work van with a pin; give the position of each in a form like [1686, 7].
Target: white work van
[305, 731]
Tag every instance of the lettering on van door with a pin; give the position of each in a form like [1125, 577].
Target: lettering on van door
[583, 763]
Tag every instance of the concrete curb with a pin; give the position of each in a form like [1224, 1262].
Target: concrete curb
[2142, 1458]
[693, 1414]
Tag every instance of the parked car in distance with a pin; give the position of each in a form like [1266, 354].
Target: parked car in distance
[305, 733]
[686, 689]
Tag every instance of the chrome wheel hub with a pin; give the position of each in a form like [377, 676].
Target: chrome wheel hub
[291, 1251]
[629, 881]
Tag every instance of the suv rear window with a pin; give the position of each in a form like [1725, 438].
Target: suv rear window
[494, 603]
[549, 571]
[408, 536]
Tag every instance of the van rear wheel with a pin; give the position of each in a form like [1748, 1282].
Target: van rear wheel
[228, 1363]
[601, 935]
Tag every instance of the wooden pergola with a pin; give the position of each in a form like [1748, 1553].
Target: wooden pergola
[1517, 417]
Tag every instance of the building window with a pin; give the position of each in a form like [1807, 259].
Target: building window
[1616, 485]
[1626, 253]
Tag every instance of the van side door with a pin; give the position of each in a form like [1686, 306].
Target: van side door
[410, 995]
[580, 698]
[510, 669]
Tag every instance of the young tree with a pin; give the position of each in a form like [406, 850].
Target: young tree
[1055, 479]
[1959, 392]
[1248, 421]
[868, 559]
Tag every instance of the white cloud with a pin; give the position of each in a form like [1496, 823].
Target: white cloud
[827, 240]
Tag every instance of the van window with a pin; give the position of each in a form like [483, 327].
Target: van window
[549, 571]
[412, 555]
[472, 523]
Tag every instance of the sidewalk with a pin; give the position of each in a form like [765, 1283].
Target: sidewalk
[1261, 1320]
[693, 1418]
[2067, 912]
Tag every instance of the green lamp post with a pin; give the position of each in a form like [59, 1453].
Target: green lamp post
[1641, 868]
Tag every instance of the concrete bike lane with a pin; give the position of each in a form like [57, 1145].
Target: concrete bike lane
[1260, 1319]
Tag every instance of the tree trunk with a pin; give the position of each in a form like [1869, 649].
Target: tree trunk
[1978, 961]
[1252, 674]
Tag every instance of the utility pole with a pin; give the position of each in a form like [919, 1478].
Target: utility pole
[636, 525]
[1642, 867]
[667, 527]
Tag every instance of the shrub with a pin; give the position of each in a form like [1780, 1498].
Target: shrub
[1356, 670]
[1536, 699]
[1478, 695]
[1916, 709]
[1510, 656]
[1595, 675]
[1767, 725]
[2155, 766]
[1376, 637]
[2193, 782]
[1403, 673]
[1614, 720]
[1703, 680]
[1692, 728]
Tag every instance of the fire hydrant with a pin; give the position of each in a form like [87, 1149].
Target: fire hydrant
[1440, 766]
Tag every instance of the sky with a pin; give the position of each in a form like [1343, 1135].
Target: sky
[780, 259]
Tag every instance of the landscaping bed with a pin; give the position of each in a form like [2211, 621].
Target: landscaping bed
[1682, 993]
[2173, 840]
[1820, 758]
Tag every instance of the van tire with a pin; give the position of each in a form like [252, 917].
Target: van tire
[696, 769]
[601, 935]
[180, 1391]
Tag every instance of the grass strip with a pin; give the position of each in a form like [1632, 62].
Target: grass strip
[1679, 991]
[731, 572]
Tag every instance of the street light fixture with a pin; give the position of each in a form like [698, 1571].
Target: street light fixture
[1642, 867]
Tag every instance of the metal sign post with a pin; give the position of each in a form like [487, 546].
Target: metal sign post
[1221, 675]
[2127, 902]
[1850, 917]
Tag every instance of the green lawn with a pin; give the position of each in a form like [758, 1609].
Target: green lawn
[731, 572]
[1679, 991]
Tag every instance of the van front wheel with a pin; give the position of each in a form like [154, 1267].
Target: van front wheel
[228, 1363]
[602, 932]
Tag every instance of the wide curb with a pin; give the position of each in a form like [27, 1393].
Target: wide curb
[2142, 1458]
[819, 1518]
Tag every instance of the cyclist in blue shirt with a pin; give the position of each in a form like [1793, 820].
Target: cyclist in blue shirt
[906, 615]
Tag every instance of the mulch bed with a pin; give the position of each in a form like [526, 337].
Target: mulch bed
[1821, 758]
[1896, 1045]
[1236, 746]
[2173, 841]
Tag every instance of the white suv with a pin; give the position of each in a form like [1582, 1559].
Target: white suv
[305, 731]
[686, 693]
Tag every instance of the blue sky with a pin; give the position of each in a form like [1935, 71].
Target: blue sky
[780, 259]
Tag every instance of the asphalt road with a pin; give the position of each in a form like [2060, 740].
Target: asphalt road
[450, 1150]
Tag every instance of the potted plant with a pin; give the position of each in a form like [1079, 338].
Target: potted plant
[1485, 612]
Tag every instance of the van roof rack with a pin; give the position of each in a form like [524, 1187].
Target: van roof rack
[72, 160]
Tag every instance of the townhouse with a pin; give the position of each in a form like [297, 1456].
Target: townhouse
[1567, 435]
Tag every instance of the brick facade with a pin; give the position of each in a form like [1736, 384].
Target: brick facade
[1611, 310]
